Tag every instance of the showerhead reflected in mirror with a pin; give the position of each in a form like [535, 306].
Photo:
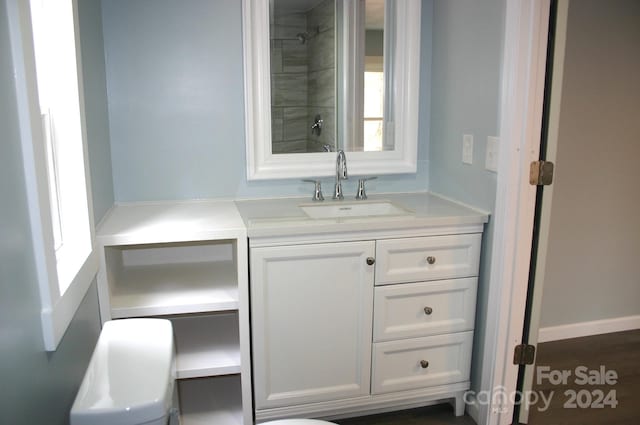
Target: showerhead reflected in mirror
[305, 38]
[303, 75]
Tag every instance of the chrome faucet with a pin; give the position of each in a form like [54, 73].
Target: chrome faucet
[341, 174]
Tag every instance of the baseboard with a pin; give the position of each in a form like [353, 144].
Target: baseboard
[596, 327]
[473, 410]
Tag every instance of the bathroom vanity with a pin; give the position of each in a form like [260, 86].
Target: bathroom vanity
[352, 307]
[354, 313]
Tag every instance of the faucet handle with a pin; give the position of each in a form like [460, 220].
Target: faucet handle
[317, 194]
[362, 194]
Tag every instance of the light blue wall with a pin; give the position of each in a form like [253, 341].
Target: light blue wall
[96, 109]
[176, 104]
[467, 46]
[37, 387]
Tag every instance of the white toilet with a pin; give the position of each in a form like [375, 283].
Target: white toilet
[130, 351]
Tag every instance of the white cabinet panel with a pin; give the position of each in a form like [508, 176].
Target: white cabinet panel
[427, 258]
[398, 365]
[311, 322]
[424, 308]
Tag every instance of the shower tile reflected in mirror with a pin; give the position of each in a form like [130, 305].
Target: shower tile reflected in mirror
[302, 75]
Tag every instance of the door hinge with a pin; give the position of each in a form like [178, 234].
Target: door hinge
[541, 173]
[524, 354]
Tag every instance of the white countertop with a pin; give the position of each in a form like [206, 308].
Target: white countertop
[182, 221]
[171, 221]
[278, 217]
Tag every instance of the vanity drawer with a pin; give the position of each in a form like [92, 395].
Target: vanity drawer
[397, 364]
[424, 308]
[427, 258]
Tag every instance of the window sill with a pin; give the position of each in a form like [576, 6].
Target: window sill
[56, 317]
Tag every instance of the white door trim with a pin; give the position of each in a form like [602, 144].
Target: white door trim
[522, 93]
[547, 196]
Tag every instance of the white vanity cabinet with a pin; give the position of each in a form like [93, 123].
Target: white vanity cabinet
[187, 262]
[424, 313]
[362, 322]
[311, 322]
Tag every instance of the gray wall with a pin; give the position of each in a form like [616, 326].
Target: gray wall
[592, 257]
[176, 105]
[37, 387]
[467, 47]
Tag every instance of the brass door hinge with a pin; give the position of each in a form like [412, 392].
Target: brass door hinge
[524, 354]
[541, 173]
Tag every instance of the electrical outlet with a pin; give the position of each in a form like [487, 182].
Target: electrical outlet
[467, 149]
[493, 152]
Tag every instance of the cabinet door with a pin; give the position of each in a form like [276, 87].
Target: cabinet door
[311, 320]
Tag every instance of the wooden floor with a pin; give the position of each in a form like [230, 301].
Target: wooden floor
[441, 414]
[619, 352]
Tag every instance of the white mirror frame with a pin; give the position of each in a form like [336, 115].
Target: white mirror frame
[262, 164]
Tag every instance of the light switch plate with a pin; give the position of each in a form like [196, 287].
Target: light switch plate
[467, 149]
[492, 155]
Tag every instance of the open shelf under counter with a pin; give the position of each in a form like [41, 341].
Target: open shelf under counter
[206, 401]
[163, 289]
[207, 345]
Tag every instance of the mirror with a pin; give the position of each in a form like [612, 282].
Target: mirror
[322, 75]
[303, 75]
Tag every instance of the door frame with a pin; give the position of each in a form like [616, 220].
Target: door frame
[521, 103]
[546, 197]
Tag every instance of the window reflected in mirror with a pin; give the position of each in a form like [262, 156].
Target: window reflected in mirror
[373, 111]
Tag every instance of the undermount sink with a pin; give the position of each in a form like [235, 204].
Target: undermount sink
[340, 209]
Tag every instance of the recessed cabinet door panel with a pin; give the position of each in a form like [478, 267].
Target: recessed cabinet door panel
[424, 308]
[311, 319]
[421, 362]
[427, 258]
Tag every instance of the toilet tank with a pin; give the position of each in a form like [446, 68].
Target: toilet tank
[130, 378]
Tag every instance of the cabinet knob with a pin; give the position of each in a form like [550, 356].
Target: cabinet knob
[424, 364]
[371, 261]
[431, 259]
[428, 310]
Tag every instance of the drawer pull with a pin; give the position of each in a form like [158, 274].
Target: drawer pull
[428, 310]
[431, 259]
[424, 364]
[370, 261]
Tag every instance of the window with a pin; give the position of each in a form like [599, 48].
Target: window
[58, 97]
[54, 153]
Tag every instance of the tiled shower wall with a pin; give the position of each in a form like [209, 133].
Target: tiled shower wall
[303, 79]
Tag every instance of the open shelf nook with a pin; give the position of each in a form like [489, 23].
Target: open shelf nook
[172, 278]
[207, 345]
[186, 262]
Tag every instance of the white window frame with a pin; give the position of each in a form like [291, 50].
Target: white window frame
[58, 307]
